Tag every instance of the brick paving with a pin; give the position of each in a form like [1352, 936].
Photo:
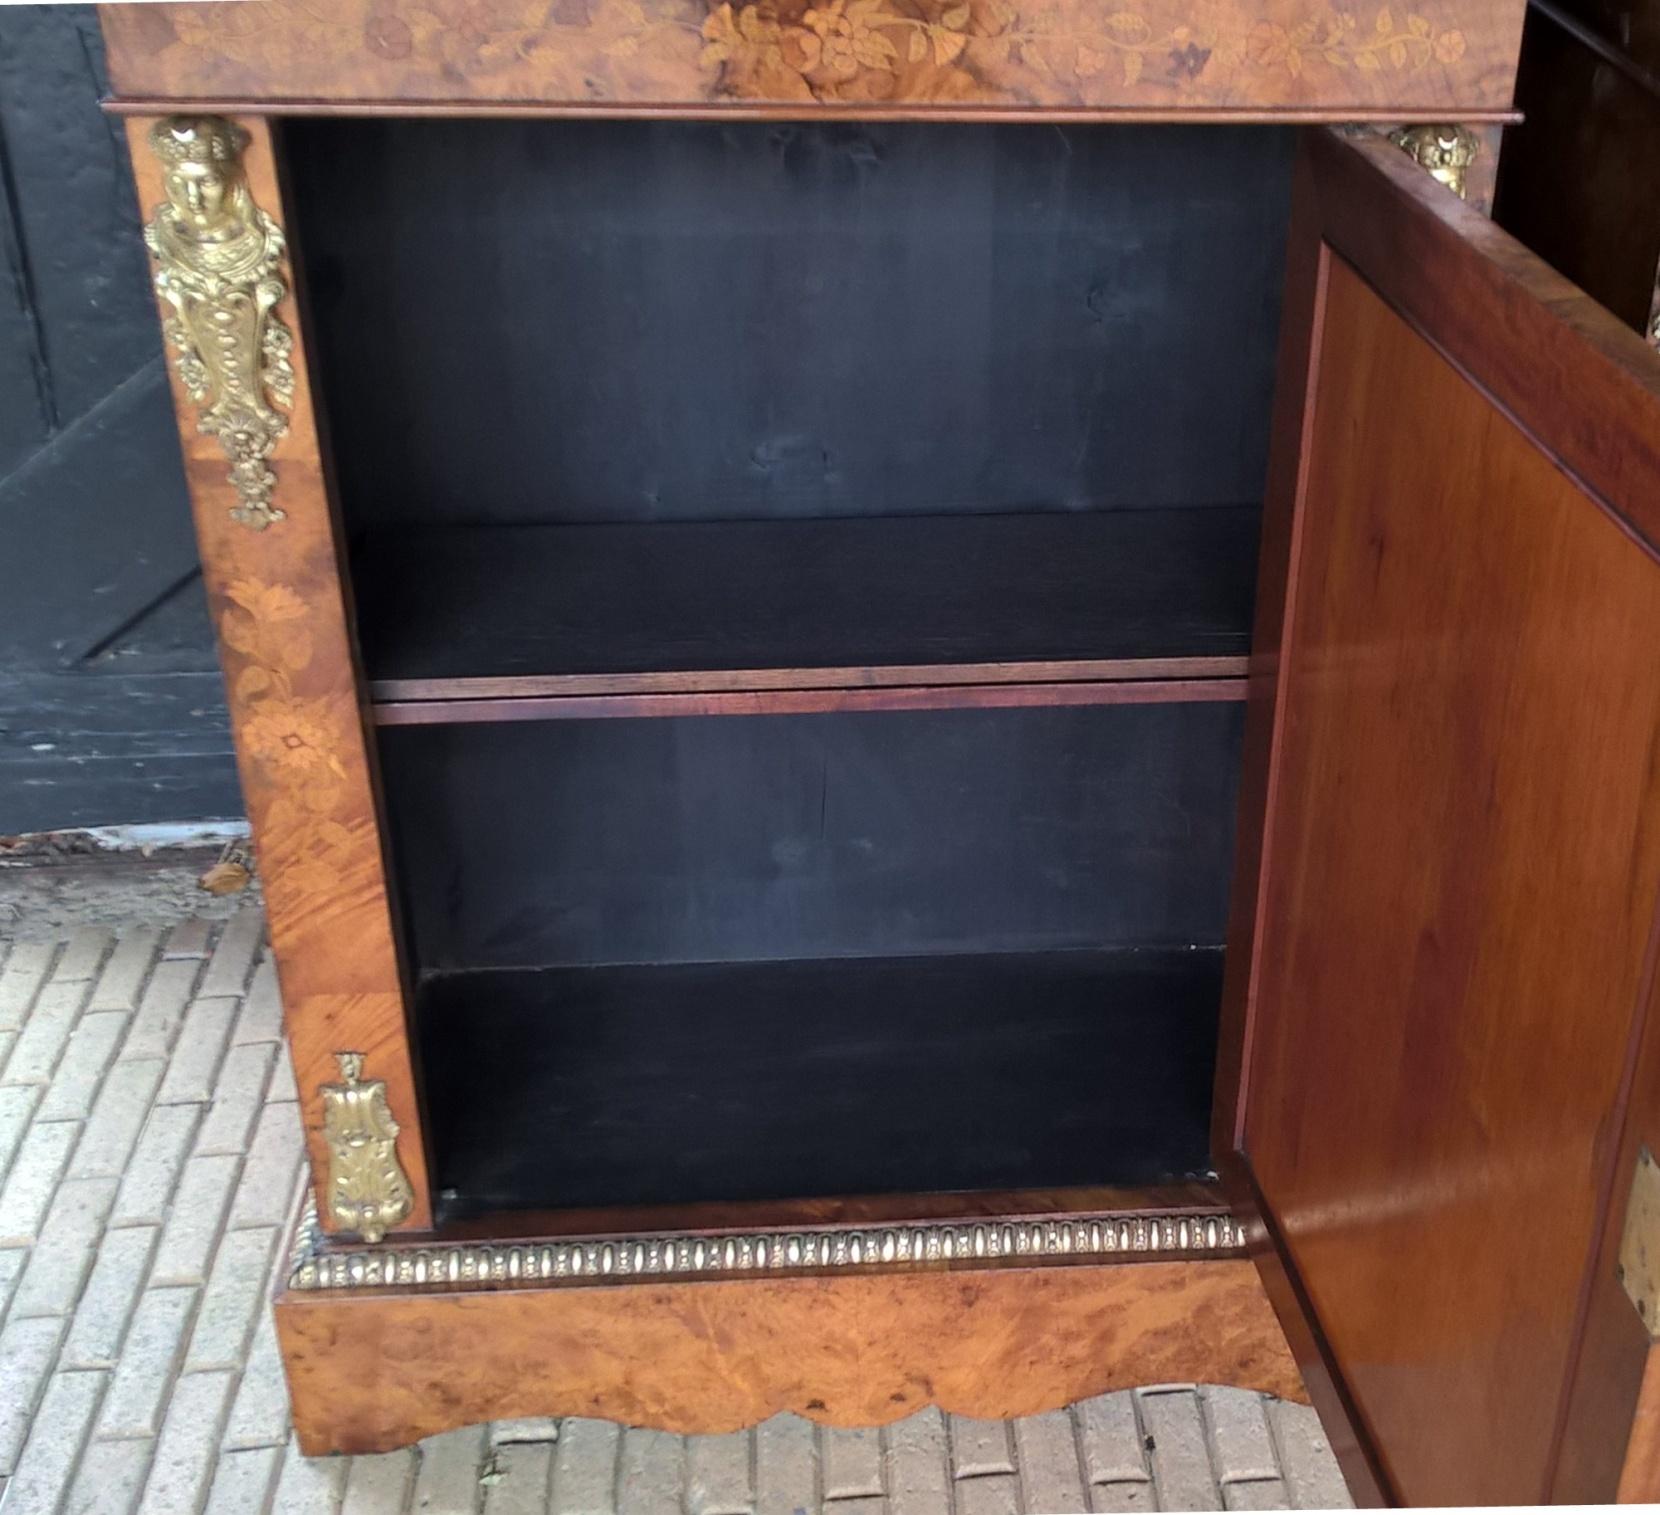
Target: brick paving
[150, 1164]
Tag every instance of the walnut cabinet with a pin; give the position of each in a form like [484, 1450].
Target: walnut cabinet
[941, 703]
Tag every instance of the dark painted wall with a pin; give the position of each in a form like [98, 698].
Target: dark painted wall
[110, 702]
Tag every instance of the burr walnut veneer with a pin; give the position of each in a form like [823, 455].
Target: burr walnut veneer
[942, 703]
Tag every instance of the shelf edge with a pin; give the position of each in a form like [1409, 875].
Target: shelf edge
[812, 701]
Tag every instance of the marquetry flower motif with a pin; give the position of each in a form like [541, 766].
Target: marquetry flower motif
[1061, 52]
[934, 49]
[1338, 40]
[291, 747]
[289, 738]
[284, 732]
[730, 36]
[1189, 60]
[845, 49]
[844, 38]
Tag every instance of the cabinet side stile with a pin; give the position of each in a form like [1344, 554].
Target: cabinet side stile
[272, 566]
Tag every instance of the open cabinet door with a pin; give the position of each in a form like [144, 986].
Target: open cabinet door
[1445, 925]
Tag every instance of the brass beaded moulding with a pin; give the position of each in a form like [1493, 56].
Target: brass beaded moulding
[1080, 1238]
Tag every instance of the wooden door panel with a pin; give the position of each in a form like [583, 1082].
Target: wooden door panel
[1457, 880]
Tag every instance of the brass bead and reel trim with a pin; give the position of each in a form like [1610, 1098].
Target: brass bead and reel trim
[1082, 1238]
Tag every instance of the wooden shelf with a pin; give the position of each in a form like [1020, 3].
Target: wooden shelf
[681, 1083]
[1196, 1197]
[489, 623]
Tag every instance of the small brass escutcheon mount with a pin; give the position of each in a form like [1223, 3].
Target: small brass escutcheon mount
[1445, 153]
[218, 271]
[368, 1190]
[1638, 1269]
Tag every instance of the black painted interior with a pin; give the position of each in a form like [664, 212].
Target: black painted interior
[740, 838]
[752, 1081]
[617, 397]
[604, 320]
[643, 597]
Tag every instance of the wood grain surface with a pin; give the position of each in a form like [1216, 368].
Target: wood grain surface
[1439, 1037]
[1302, 311]
[853, 1210]
[1454, 57]
[1033, 695]
[1640, 1468]
[1616, 1381]
[1302, 317]
[519, 610]
[278, 603]
[860, 677]
[374, 1372]
[1549, 355]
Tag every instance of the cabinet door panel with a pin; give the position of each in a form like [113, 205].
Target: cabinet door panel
[1452, 901]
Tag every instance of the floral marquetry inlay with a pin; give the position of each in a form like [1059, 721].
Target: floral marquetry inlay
[287, 735]
[864, 49]
[1036, 53]
[275, 594]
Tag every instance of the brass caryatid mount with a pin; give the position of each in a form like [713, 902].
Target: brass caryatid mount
[218, 262]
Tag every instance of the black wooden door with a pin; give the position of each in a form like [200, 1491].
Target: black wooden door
[110, 702]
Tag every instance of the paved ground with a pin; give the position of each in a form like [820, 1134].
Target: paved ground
[149, 1167]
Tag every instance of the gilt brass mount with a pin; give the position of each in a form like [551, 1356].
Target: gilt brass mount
[218, 270]
[1638, 1269]
[368, 1190]
[1101, 1238]
[1445, 153]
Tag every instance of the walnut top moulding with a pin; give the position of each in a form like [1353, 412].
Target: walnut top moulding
[1385, 60]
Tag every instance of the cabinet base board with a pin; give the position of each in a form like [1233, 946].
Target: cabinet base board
[370, 1370]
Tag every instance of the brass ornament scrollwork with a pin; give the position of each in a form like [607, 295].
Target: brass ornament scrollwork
[1445, 153]
[368, 1191]
[218, 263]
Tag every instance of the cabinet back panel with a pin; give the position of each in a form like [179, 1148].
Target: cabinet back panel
[567, 320]
[720, 839]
